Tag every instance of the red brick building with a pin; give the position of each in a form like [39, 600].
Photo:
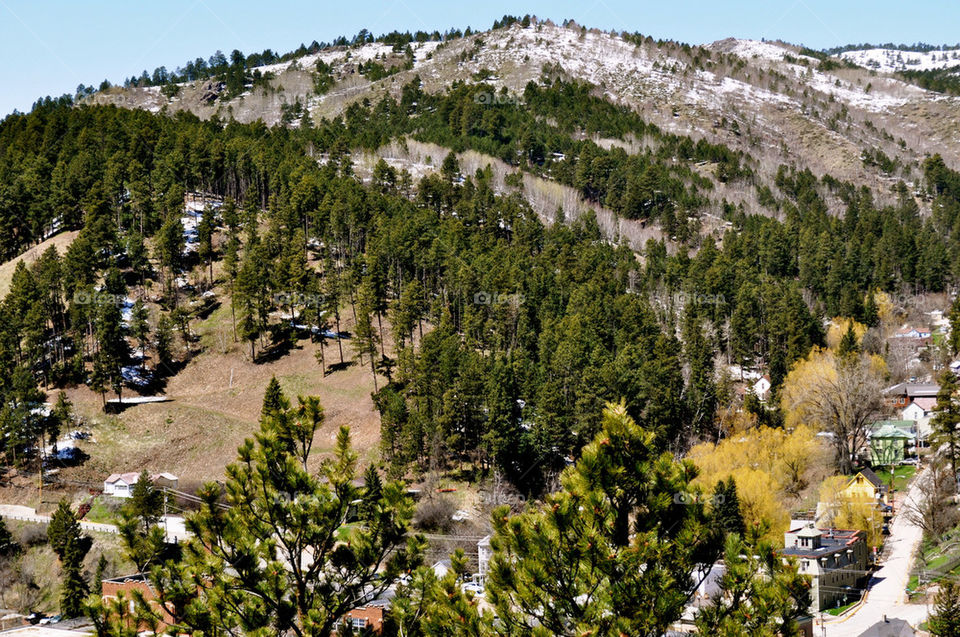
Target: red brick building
[126, 587]
[365, 618]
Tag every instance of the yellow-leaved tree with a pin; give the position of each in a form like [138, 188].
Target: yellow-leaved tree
[837, 394]
[838, 328]
[841, 509]
[771, 468]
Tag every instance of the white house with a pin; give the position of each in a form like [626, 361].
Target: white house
[761, 388]
[921, 411]
[483, 557]
[441, 568]
[120, 485]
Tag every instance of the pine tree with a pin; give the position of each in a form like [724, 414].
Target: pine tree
[139, 524]
[112, 349]
[702, 394]
[170, 246]
[593, 558]
[146, 501]
[140, 328]
[759, 594]
[372, 491]
[71, 547]
[102, 565]
[428, 605]
[62, 528]
[137, 256]
[947, 419]
[331, 290]
[726, 508]
[205, 231]
[849, 344]
[945, 620]
[275, 560]
[366, 338]
[274, 402]
[164, 341]
[231, 265]
[74, 590]
[871, 313]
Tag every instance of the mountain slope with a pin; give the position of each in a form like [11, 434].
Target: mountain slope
[765, 98]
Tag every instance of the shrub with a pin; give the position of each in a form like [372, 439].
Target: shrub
[435, 514]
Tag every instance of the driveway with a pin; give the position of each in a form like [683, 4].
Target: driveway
[886, 591]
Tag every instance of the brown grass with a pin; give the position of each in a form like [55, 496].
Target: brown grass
[216, 401]
[60, 241]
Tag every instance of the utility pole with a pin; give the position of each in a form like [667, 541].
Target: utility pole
[42, 451]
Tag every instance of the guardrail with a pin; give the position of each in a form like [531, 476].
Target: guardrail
[38, 519]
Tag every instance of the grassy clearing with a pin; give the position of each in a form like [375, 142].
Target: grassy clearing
[103, 510]
[841, 609]
[902, 475]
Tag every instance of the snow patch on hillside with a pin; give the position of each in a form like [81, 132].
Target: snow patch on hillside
[749, 49]
[365, 53]
[890, 60]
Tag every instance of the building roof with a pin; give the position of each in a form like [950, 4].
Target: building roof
[913, 390]
[892, 429]
[123, 579]
[831, 541]
[131, 477]
[893, 627]
[926, 403]
[871, 477]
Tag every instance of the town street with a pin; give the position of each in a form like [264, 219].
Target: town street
[174, 525]
[886, 594]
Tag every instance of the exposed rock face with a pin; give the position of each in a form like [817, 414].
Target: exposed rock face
[210, 91]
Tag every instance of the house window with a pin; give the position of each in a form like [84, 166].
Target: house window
[359, 622]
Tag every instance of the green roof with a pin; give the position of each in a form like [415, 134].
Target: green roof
[892, 429]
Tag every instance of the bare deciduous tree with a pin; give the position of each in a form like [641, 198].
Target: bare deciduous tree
[933, 509]
[841, 395]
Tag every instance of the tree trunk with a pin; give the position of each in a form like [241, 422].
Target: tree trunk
[339, 341]
[380, 325]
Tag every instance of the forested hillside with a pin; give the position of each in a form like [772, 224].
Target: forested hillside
[531, 328]
[491, 337]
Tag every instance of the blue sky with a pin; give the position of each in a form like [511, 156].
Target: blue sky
[48, 47]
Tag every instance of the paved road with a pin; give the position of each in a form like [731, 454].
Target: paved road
[174, 524]
[886, 591]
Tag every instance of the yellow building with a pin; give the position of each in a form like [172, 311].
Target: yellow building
[866, 484]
